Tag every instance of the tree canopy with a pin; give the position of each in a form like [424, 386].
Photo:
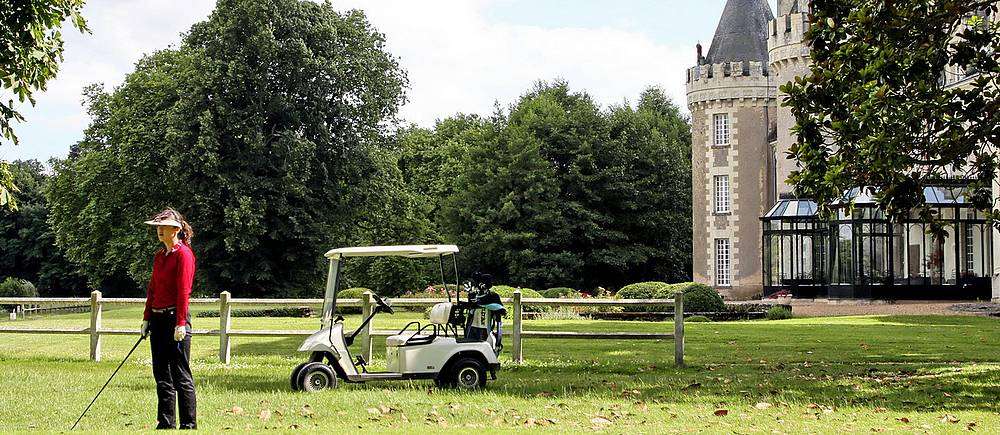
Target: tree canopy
[27, 243]
[31, 48]
[267, 126]
[558, 191]
[879, 108]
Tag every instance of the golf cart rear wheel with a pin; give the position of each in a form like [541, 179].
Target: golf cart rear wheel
[316, 376]
[468, 374]
[295, 375]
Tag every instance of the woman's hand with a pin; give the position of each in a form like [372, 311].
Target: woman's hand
[179, 333]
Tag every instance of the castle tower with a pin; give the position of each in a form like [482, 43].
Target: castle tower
[731, 98]
[789, 58]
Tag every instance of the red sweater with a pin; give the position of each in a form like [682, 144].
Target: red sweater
[170, 286]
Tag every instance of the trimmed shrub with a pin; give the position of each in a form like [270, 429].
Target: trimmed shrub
[350, 293]
[561, 292]
[506, 291]
[17, 288]
[698, 298]
[779, 313]
[641, 290]
[697, 319]
[644, 290]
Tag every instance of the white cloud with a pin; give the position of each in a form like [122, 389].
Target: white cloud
[458, 60]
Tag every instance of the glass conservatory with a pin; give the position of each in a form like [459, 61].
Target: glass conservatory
[861, 254]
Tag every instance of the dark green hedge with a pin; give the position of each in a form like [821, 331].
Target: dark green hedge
[264, 312]
[698, 298]
[506, 291]
[561, 292]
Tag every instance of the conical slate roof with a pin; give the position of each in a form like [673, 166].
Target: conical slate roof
[742, 32]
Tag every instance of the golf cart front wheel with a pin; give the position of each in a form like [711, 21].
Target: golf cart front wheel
[468, 374]
[316, 376]
[295, 375]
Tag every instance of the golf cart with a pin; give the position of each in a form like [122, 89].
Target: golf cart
[456, 348]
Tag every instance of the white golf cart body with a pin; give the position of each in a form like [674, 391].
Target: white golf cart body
[409, 354]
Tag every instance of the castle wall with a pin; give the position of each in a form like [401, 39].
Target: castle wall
[743, 92]
[789, 58]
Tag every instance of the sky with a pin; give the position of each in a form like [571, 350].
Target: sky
[460, 55]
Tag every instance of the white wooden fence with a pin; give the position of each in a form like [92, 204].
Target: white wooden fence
[226, 303]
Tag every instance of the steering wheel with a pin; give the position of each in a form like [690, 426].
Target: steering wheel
[381, 303]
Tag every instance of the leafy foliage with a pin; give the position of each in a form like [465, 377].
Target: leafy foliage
[561, 292]
[31, 48]
[779, 313]
[876, 110]
[557, 191]
[642, 290]
[697, 319]
[266, 127]
[17, 288]
[698, 297]
[27, 243]
[263, 312]
[506, 291]
[7, 187]
[350, 293]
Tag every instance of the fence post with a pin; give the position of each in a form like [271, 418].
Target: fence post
[366, 332]
[516, 340]
[225, 321]
[96, 308]
[679, 329]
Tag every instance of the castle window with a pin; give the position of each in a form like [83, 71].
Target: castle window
[721, 131]
[722, 273]
[722, 203]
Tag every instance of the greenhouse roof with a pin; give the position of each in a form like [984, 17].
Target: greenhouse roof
[792, 208]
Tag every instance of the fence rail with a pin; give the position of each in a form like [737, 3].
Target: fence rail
[226, 303]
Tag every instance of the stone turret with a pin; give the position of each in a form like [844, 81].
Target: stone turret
[731, 93]
[786, 7]
[789, 58]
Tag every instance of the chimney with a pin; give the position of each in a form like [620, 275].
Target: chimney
[700, 57]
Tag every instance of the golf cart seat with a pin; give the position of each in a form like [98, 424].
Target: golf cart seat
[439, 316]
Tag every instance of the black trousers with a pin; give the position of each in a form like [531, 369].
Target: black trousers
[172, 371]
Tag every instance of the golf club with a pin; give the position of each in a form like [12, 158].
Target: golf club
[141, 337]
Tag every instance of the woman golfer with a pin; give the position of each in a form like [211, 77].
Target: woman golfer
[167, 322]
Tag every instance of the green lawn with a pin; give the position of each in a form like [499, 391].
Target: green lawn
[843, 374]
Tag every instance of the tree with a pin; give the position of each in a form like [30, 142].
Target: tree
[266, 127]
[558, 191]
[27, 244]
[31, 48]
[517, 206]
[648, 192]
[875, 110]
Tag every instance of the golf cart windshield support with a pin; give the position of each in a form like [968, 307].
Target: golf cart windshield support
[458, 286]
[443, 281]
[350, 339]
[330, 297]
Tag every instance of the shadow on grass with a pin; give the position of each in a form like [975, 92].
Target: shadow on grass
[899, 363]
[950, 321]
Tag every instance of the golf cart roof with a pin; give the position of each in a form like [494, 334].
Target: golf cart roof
[408, 251]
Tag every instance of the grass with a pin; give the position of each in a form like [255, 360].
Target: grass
[820, 375]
